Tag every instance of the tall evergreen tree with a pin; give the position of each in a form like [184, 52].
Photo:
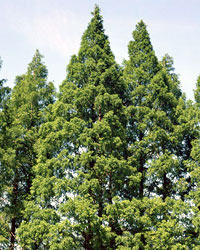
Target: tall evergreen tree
[153, 109]
[4, 96]
[138, 72]
[81, 163]
[30, 97]
[193, 163]
[4, 121]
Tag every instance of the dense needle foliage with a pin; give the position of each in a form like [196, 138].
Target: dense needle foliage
[113, 163]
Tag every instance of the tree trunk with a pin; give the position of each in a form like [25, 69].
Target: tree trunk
[12, 233]
[13, 220]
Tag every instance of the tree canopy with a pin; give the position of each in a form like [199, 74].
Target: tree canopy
[110, 162]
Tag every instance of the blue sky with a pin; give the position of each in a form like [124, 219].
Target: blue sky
[55, 28]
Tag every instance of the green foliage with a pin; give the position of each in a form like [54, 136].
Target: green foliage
[30, 97]
[197, 92]
[159, 143]
[4, 120]
[113, 163]
[4, 91]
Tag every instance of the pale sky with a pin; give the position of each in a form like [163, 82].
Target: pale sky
[55, 28]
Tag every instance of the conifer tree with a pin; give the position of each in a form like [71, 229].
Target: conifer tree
[4, 121]
[193, 166]
[154, 108]
[4, 96]
[193, 163]
[138, 72]
[30, 97]
[81, 164]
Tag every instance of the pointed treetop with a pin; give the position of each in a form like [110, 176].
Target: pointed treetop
[32, 86]
[142, 38]
[143, 63]
[141, 24]
[197, 91]
[96, 14]
[94, 57]
[36, 67]
[168, 63]
[96, 10]
[94, 34]
[2, 80]
[4, 91]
